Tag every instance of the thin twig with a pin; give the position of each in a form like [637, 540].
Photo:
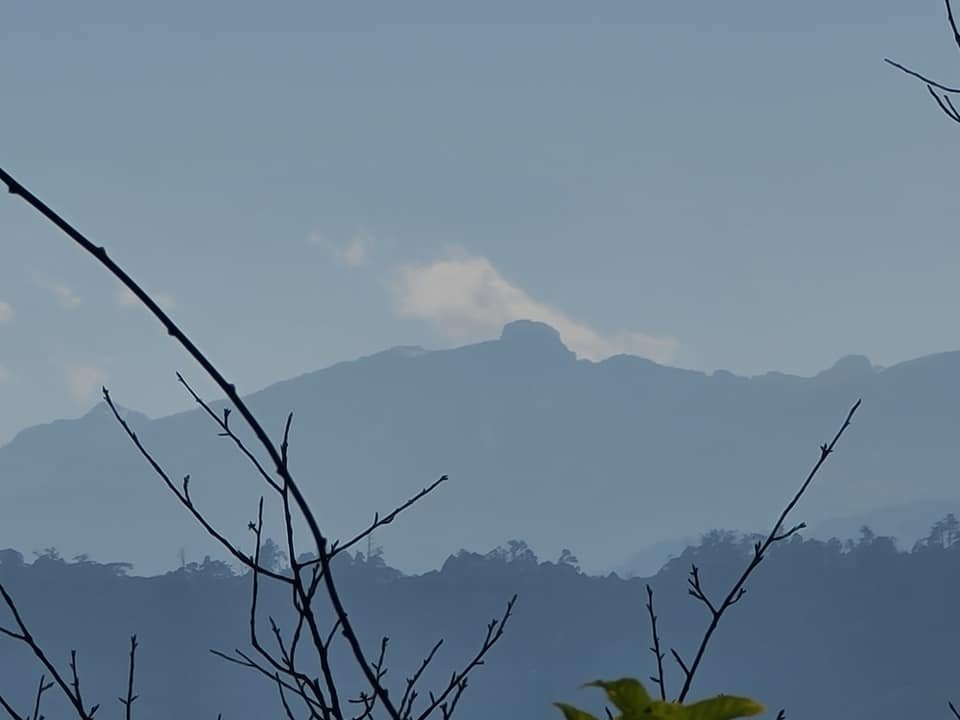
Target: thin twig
[303, 597]
[953, 24]
[127, 701]
[655, 648]
[283, 699]
[759, 549]
[924, 78]
[14, 715]
[23, 635]
[945, 104]
[410, 693]
[42, 687]
[183, 493]
[226, 431]
[244, 660]
[378, 522]
[943, 101]
[458, 680]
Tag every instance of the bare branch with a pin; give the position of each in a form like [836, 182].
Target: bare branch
[410, 694]
[127, 701]
[792, 531]
[42, 687]
[282, 669]
[458, 680]
[229, 389]
[244, 660]
[680, 662]
[14, 715]
[23, 635]
[225, 431]
[953, 24]
[945, 104]
[379, 522]
[655, 648]
[696, 590]
[923, 78]
[183, 494]
[737, 591]
[283, 699]
[943, 100]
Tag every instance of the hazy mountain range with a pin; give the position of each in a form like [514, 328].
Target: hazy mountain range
[606, 458]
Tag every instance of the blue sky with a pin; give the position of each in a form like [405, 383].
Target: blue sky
[740, 185]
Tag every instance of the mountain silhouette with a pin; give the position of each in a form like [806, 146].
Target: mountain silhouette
[605, 458]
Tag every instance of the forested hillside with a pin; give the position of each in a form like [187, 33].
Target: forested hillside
[861, 628]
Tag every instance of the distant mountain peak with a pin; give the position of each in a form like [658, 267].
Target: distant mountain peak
[533, 336]
[850, 366]
[102, 410]
[853, 362]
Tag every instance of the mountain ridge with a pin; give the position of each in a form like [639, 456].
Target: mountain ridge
[540, 445]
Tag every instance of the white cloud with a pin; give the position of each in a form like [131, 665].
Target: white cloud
[467, 296]
[356, 250]
[84, 380]
[354, 253]
[125, 298]
[68, 299]
[6, 312]
[165, 300]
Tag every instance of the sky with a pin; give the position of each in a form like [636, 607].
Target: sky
[740, 185]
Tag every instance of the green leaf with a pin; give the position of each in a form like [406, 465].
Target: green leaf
[722, 707]
[660, 710]
[634, 702]
[572, 713]
[628, 695]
